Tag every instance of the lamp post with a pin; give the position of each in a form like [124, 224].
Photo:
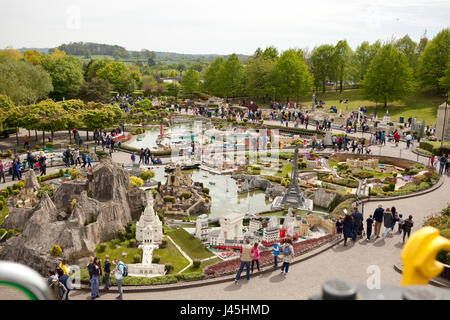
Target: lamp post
[445, 119]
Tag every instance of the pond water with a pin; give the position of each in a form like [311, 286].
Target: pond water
[149, 138]
[223, 201]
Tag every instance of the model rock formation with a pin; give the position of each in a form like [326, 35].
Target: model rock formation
[77, 226]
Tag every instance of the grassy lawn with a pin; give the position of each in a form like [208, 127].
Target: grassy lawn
[117, 252]
[4, 214]
[193, 247]
[170, 254]
[422, 105]
[203, 265]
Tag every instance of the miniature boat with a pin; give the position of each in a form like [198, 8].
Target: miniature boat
[170, 168]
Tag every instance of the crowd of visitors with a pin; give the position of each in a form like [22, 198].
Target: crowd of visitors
[351, 226]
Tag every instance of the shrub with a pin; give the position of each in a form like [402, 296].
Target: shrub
[101, 248]
[186, 195]
[121, 234]
[137, 258]
[205, 190]
[90, 193]
[56, 251]
[61, 172]
[2, 232]
[74, 202]
[164, 243]
[156, 259]
[196, 264]
[15, 192]
[193, 276]
[131, 243]
[148, 174]
[50, 145]
[10, 233]
[168, 267]
[169, 199]
[5, 193]
[45, 188]
[138, 182]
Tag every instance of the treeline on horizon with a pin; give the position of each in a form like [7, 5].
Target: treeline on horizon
[386, 72]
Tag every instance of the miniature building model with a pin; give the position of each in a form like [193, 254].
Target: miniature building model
[271, 235]
[255, 225]
[231, 226]
[149, 227]
[201, 227]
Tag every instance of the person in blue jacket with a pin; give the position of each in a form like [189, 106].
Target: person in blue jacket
[276, 253]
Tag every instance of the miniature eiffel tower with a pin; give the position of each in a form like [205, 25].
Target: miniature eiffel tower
[293, 195]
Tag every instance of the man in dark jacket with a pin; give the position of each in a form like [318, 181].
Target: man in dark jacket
[357, 221]
[378, 217]
[107, 272]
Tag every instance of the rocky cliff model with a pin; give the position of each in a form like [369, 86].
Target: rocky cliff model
[76, 230]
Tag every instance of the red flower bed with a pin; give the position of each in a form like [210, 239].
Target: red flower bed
[266, 258]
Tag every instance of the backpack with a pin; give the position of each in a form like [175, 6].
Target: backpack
[125, 270]
[287, 250]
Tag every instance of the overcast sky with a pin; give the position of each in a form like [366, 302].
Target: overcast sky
[214, 26]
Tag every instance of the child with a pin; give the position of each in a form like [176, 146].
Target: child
[133, 157]
[89, 160]
[369, 222]
[400, 223]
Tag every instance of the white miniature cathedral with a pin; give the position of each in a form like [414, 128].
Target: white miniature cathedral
[149, 227]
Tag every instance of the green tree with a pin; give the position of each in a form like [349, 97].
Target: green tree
[389, 77]
[191, 81]
[22, 82]
[66, 73]
[15, 119]
[6, 104]
[363, 57]
[120, 76]
[322, 65]
[96, 89]
[212, 76]
[434, 60]
[259, 72]
[291, 75]
[52, 117]
[230, 77]
[409, 48]
[341, 59]
[173, 89]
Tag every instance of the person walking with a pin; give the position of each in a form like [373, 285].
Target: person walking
[407, 226]
[395, 215]
[357, 222]
[2, 171]
[95, 271]
[339, 226]
[369, 223]
[89, 161]
[388, 220]
[378, 217]
[442, 164]
[65, 281]
[255, 255]
[84, 158]
[246, 257]
[133, 158]
[288, 256]
[107, 272]
[401, 221]
[348, 228]
[119, 272]
[276, 253]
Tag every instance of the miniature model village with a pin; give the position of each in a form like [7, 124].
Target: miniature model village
[305, 192]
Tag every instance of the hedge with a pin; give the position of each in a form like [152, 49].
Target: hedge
[435, 147]
[157, 153]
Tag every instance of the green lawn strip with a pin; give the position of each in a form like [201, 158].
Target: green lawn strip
[203, 265]
[193, 247]
[422, 105]
[171, 255]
